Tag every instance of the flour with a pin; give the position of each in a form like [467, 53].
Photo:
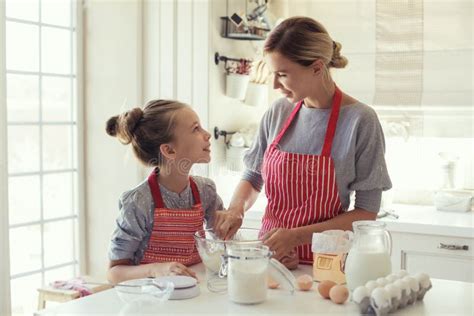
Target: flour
[212, 261]
[247, 280]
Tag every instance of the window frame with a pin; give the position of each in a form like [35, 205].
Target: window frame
[77, 153]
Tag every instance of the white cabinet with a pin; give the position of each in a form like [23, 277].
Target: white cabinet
[442, 257]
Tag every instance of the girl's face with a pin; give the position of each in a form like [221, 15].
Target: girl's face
[294, 81]
[191, 142]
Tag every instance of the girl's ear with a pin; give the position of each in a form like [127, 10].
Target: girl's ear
[167, 151]
[317, 67]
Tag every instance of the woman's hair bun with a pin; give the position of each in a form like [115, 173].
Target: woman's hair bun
[337, 60]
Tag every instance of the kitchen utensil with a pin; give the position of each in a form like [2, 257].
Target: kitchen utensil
[184, 286]
[144, 290]
[246, 267]
[211, 249]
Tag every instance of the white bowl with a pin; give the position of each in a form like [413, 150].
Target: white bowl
[143, 290]
[453, 200]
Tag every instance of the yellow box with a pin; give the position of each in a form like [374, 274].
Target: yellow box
[329, 267]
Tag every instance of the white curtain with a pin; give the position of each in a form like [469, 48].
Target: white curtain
[399, 52]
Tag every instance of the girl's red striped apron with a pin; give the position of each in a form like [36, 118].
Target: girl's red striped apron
[173, 229]
[301, 189]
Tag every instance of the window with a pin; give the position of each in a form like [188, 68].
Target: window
[42, 153]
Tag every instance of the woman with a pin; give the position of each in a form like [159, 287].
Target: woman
[315, 147]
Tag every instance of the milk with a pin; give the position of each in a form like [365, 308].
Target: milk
[365, 266]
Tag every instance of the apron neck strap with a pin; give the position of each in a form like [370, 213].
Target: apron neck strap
[194, 189]
[332, 123]
[156, 193]
[288, 122]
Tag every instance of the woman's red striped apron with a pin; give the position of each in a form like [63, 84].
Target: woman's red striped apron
[301, 189]
[173, 229]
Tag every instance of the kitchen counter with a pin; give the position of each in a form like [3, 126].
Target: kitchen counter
[412, 218]
[445, 298]
[427, 220]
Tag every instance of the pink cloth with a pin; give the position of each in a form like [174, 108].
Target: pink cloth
[77, 284]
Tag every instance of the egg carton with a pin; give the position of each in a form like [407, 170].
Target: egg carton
[394, 292]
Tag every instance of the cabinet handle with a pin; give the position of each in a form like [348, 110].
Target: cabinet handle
[453, 247]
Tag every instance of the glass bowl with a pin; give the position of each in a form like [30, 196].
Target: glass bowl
[211, 248]
[144, 290]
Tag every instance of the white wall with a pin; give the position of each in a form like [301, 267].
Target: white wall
[112, 78]
[4, 240]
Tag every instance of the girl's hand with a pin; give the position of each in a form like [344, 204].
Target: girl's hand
[281, 241]
[170, 268]
[226, 223]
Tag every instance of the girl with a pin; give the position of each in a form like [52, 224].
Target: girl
[158, 218]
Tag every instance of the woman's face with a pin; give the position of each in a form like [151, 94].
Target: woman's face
[191, 142]
[294, 81]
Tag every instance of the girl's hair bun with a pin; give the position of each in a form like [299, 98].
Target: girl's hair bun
[111, 126]
[123, 126]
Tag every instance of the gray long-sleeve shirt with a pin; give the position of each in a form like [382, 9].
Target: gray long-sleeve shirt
[358, 148]
[135, 220]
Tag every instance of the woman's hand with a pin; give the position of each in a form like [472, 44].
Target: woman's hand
[281, 241]
[170, 268]
[291, 261]
[226, 223]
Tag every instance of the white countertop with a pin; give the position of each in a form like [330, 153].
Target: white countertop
[427, 220]
[412, 218]
[445, 298]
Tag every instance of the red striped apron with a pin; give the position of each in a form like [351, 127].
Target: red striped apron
[301, 189]
[173, 229]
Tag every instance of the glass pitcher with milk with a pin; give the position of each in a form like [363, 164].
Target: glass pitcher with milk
[369, 256]
[248, 268]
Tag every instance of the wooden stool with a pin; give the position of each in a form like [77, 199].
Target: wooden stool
[51, 294]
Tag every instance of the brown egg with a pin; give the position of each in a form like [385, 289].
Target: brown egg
[305, 282]
[339, 294]
[272, 284]
[324, 287]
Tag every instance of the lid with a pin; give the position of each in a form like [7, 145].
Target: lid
[282, 275]
[179, 281]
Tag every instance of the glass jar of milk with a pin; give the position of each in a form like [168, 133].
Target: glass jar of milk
[369, 256]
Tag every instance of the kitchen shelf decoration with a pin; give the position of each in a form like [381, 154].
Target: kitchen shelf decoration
[249, 26]
[236, 145]
[237, 75]
[257, 90]
[242, 32]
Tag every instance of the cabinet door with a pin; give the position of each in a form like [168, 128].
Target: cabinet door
[425, 253]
